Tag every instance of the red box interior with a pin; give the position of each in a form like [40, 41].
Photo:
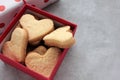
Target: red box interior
[43, 14]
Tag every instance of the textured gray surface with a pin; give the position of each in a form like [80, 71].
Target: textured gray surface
[96, 54]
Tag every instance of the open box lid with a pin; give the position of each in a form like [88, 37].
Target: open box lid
[9, 8]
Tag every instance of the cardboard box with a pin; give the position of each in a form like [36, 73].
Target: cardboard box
[27, 8]
[9, 8]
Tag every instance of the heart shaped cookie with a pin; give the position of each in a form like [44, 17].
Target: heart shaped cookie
[37, 29]
[15, 49]
[40, 49]
[61, 37]
[43, 64]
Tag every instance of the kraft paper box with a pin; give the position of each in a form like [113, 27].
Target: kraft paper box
[9, 8]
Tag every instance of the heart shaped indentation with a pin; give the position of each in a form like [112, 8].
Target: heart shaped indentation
[43, 64]
[2, 25]
[37, 29]
[61, 37]
[14, 49]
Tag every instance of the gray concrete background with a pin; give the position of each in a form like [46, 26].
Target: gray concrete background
[96, 54]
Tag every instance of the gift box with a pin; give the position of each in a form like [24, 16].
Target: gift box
[9, 8]
[30, 9]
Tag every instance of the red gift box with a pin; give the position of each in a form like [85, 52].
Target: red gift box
[27, 8]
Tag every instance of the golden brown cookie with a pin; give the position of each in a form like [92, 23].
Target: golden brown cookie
[43, 64]
[40, 49]
[61, 37]
[37, 29]
[15, 49]
[18, 25]
[35, 43]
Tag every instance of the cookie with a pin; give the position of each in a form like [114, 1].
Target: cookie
[61, 37]
[35, 43]
[15, 49]
[18, 25]
[40, 49]
[43, 64]
[37, 29]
